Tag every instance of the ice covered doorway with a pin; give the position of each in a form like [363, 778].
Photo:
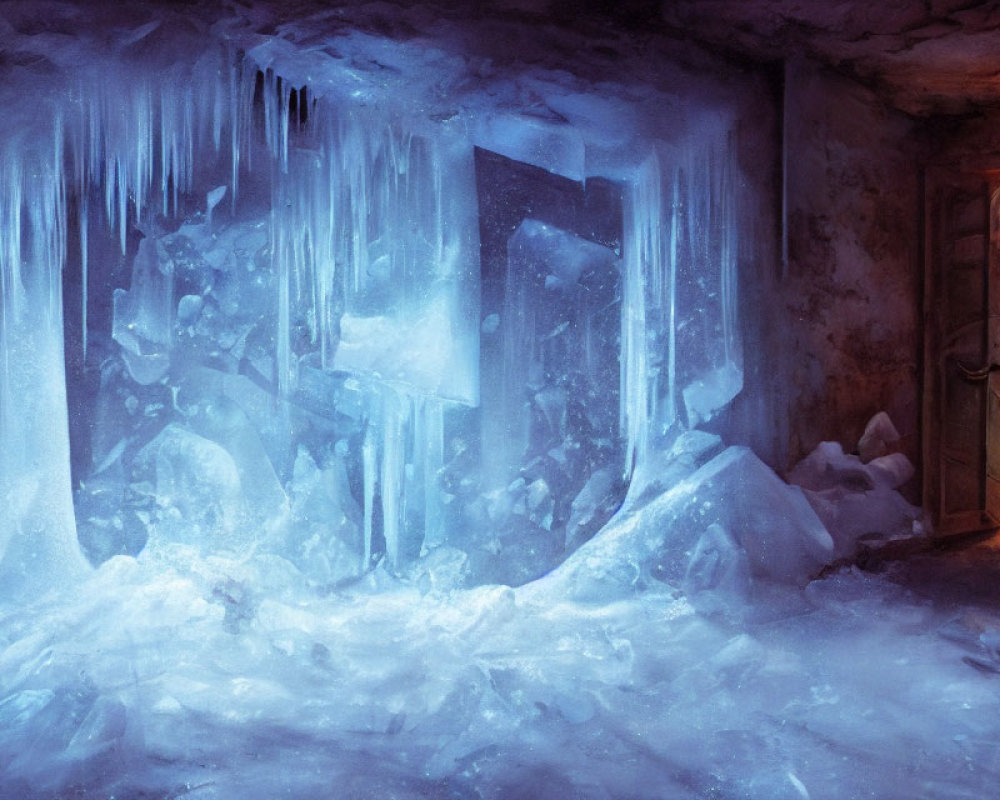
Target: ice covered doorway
[277, 340]
[549, 345]
[274, 318]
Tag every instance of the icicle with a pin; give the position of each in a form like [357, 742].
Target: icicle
[218, 102]
[635, 390]
[83, 270]
[394, 425]
[432, 441]
[123, 181]
[235, 128]
[671, 320]
[283, 339]
[369, 468]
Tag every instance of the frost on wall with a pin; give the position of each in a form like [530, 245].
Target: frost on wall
[278, 342]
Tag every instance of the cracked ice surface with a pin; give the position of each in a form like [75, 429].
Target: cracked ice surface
[217, 679]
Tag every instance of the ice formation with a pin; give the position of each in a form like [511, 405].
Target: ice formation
[275, 262]
[315, 341]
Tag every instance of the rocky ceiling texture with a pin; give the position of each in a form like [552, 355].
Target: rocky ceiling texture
[924, 56]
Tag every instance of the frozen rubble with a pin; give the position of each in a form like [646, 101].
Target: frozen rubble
[221, 678]
[732, 513]
[857, 497]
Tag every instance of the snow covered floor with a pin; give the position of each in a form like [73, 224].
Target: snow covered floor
[219, 679]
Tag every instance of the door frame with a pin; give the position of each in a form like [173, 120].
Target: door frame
[937, 179]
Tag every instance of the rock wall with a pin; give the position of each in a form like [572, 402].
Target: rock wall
[850, 334]
[969, 143]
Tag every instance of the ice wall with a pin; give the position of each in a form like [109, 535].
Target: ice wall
[368, 267]
[292, 299]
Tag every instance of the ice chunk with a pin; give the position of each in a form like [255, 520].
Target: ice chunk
[196, 486]
[864, 518]
[212, 199]
[893, 470]
[100, 731]
[592, 506]
[324, 540]
[418, 356]
[718, 573]
[550, 144]
[772, 523]
[828, 467]
[858, 502]
[188, 308]
[143, 315]
[711, 392]
[663, 469]
[879, 436]
[442, 570]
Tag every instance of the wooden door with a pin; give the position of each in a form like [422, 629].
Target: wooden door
[961, 355]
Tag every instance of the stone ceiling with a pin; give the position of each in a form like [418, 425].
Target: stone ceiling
[924, 56]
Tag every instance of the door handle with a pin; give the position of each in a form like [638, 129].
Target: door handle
[975, 375]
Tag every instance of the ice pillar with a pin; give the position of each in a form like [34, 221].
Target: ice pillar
[38, 546]
[682, 360]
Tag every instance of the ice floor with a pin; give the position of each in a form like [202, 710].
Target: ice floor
[223, 680]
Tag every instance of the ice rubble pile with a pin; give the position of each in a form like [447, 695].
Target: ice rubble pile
[856, 496]
[212, 678]
[727, 524]
[719, 525]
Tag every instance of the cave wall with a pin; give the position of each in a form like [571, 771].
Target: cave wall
[850, 336]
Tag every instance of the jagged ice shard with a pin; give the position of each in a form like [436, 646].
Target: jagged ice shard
[365, 392]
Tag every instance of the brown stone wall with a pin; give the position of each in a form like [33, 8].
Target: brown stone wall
[850, 331]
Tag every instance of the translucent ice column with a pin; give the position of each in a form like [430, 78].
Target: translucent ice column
[681, 348]
[38, 547]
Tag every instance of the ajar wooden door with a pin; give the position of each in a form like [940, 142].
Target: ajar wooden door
[961, 409]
